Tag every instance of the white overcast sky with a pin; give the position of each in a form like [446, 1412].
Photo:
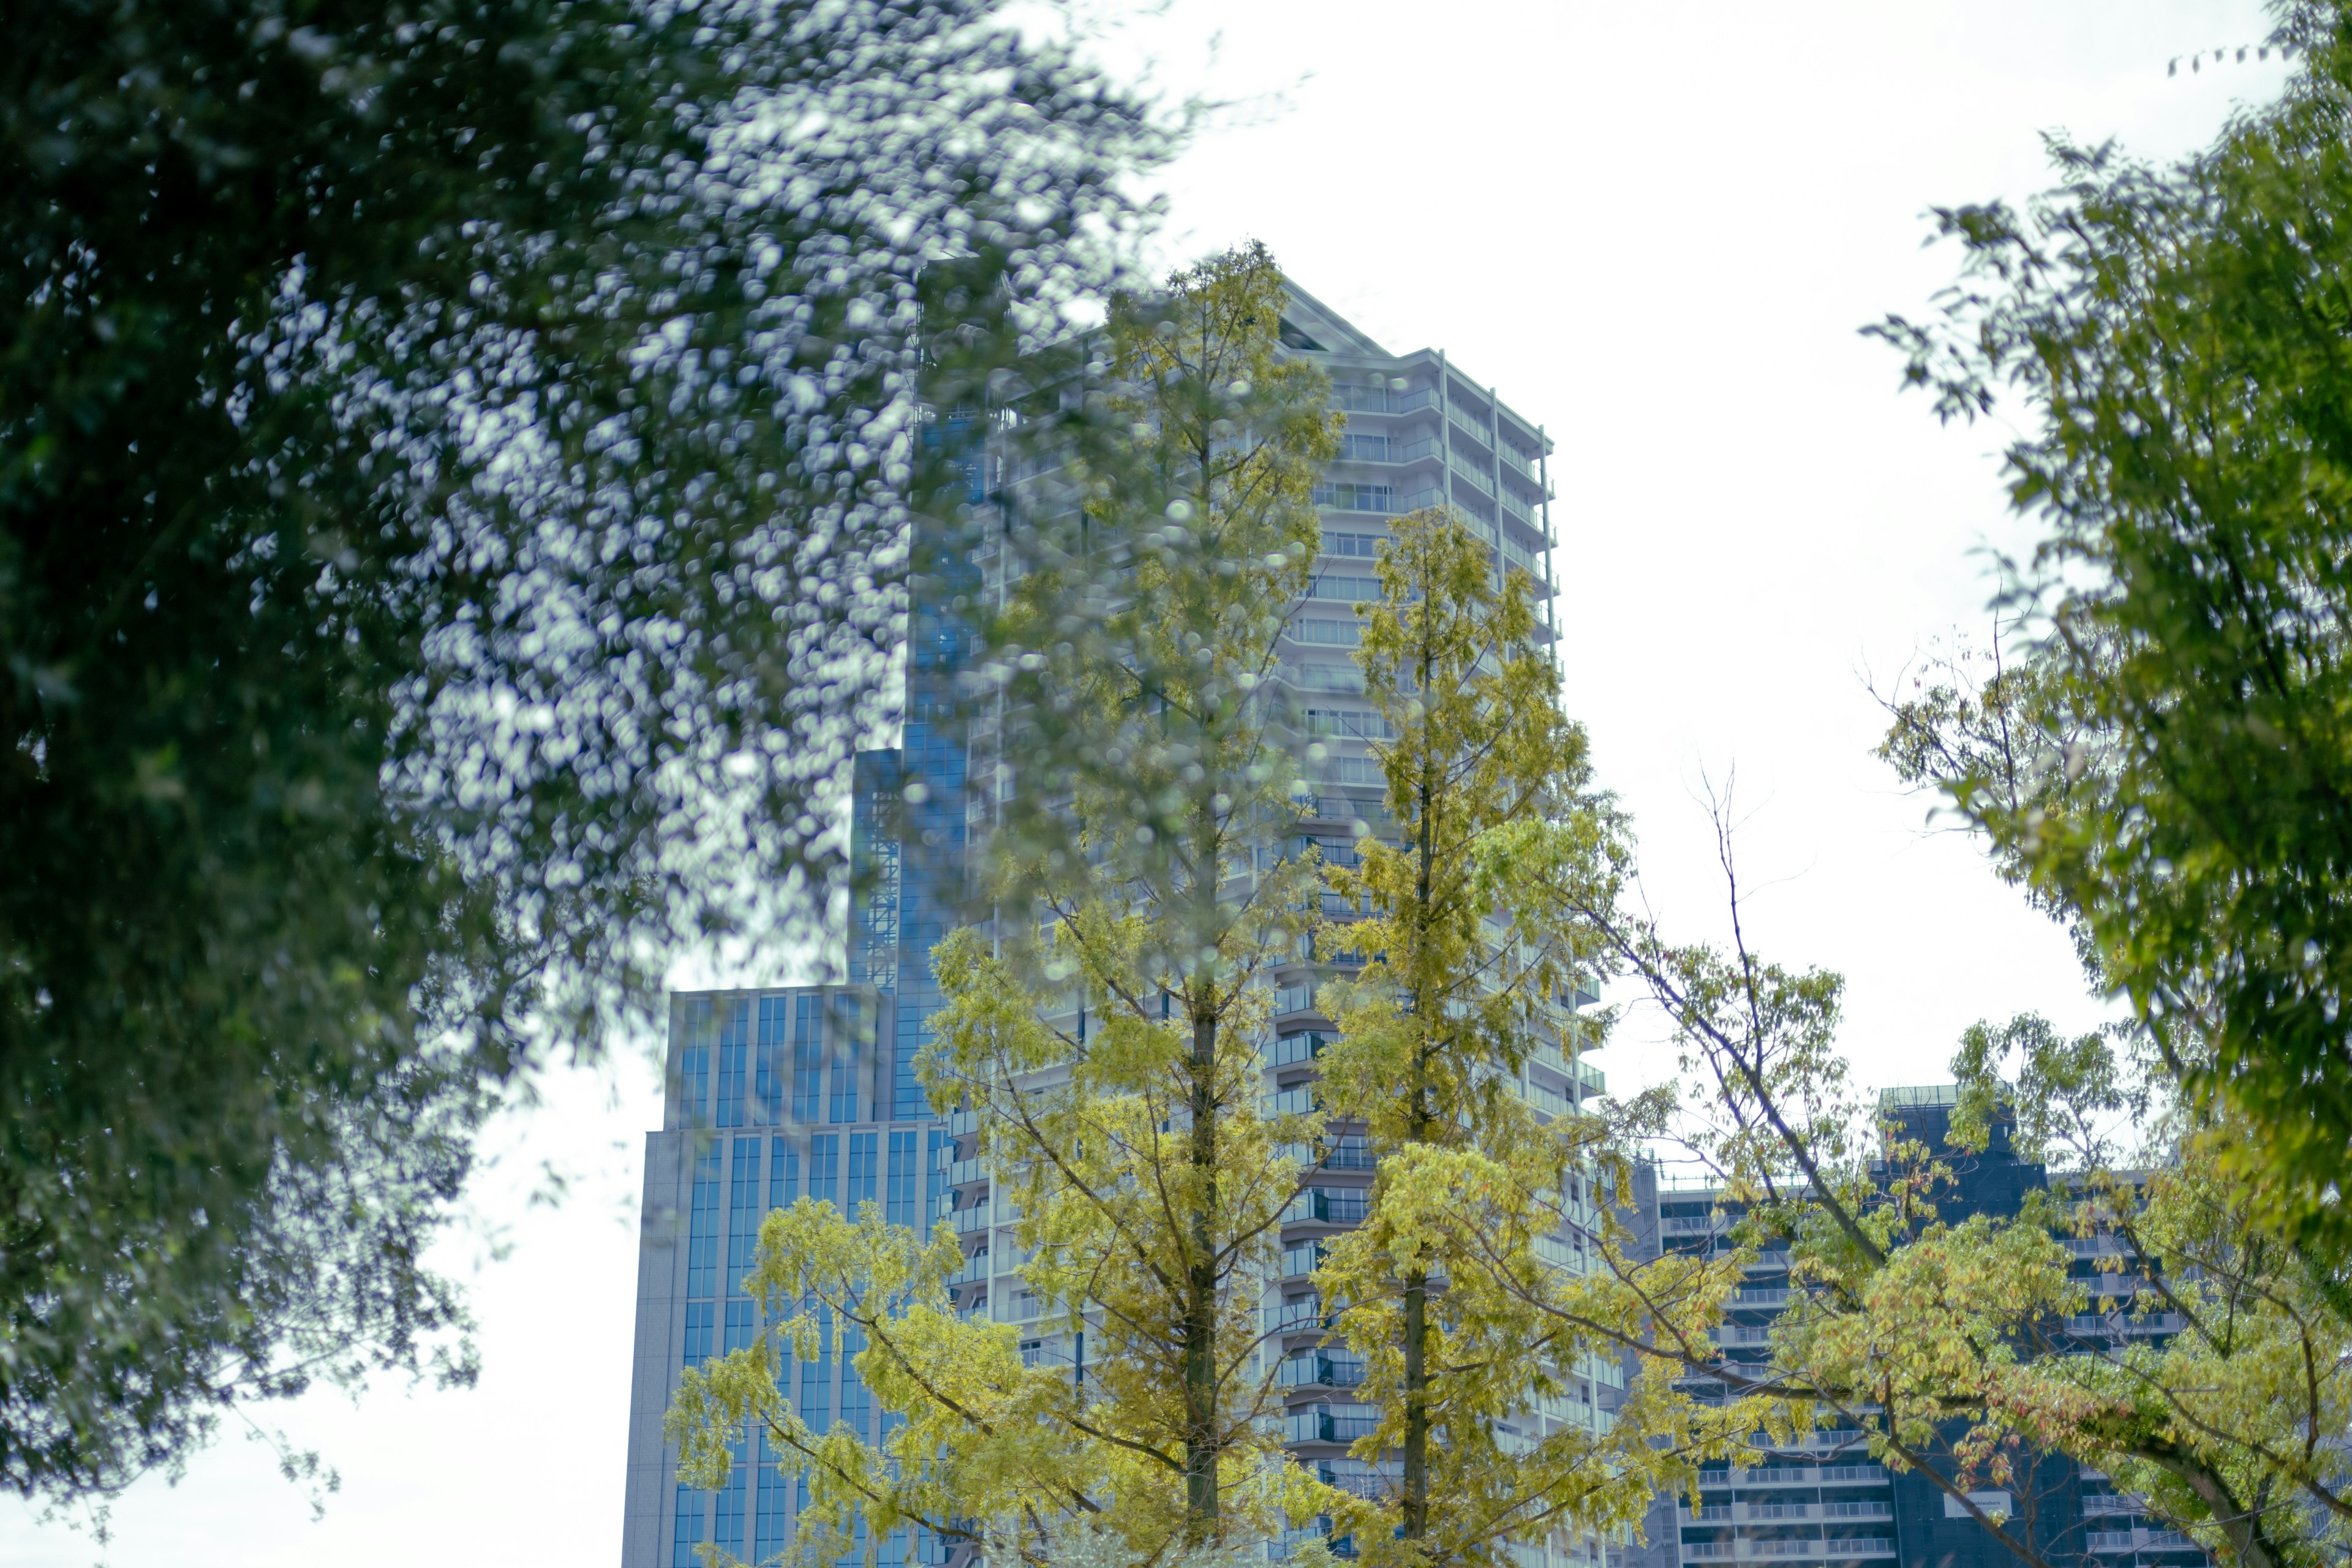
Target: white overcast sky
[1656, 228]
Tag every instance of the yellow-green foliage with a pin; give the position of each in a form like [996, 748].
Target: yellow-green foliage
[1461, 1323]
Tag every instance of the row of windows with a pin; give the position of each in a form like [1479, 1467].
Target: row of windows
[779, 1502]
[912, 1179]
[758, 1062]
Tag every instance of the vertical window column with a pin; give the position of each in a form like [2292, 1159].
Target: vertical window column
[726, 1520]
[691, 1504]
[701, 1255]
[900, 1207]
[744, 1213]
[855, 1402]
[734, 1041]
[845, 1066]
[768, 1067]
[771, 1518]
[694, 1063]
[863, 1158]
[816, 1377]
[935, 1176]
[824, 1168]
[783, 1174]
[808, 1061]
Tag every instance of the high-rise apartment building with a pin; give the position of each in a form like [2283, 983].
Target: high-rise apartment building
[780, 1092]
[1824, 1502]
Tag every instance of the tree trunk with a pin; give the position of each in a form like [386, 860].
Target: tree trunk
[1202, 1436]
[1415, 1522]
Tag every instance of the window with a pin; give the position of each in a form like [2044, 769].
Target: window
[726, 1520]
[768, 1072]
[935, 1176]
[772, 1523]
[742, 1214]
[740, 1329]
[816, 1378]
[698, 1332]
[682, 1553]
[862, 1160]
[845, 1074]
[1361, 723]
[694, 1063]
[1356, 498]
[1336, 634]
[899, 1205]
[783, 1174]
[808, 1047]
[857, 1404]
[824, 1160]
[1365, 545]
[733, 1040]
[702, 1228]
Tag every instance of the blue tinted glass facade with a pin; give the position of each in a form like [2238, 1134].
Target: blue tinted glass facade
[827, 1076]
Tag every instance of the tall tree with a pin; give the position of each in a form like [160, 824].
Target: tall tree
[1463, 989]
[2175, 336]
[1106, 1030]
[454, 467]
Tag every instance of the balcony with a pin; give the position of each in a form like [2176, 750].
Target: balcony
[1298, 1101]
[1381, 400]
[1322, 1369]
[1322, 1423]
[1300, 1317]
[1326, 1206]
[967, 1221]
[1298, 1262]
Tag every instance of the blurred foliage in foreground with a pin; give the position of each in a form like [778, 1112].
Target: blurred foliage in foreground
[2170, 766]
[456, 463]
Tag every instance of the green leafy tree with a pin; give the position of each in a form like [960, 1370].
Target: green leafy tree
[1459, 992]
[455, 470]
[1106, 1030]
[2173, 336]
[1960, 1345]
